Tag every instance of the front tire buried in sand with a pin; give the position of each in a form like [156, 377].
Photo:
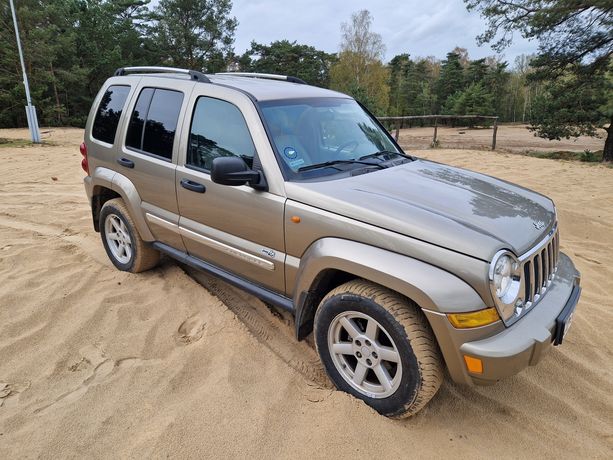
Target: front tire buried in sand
[376, 345]
[121, 239]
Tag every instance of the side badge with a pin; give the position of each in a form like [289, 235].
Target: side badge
[268, 252]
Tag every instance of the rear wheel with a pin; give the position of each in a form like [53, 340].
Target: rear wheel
[121, 240]
[378, 346]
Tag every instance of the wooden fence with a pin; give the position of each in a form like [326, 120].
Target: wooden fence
[398, 121]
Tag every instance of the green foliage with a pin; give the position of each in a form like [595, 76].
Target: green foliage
[289, 58]
[72, 46]
[573, 64]
[194, 34]
[575, 104]
[474, 100]
[359, 70]
[589, 156]
[452, 77]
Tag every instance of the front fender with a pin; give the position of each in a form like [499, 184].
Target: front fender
[430, 287]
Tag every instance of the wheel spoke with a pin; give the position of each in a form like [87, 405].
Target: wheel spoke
[342, 349]
[113, 236]
[350, 327]
[371, 330]
[384, 378]
[388, 354]
[359, 374]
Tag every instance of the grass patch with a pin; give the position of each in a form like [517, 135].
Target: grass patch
[14, 142]
[587, 156]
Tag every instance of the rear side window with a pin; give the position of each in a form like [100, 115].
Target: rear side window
[109, 112]
[218, 130]
[154, 122]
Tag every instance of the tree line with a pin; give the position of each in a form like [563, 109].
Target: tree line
[565, 89]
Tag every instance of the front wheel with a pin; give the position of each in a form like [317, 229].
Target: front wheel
[378, 346]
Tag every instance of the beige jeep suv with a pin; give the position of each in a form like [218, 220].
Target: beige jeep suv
[398, 266]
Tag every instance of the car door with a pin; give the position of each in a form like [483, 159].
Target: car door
[148, 153]
[239, 228]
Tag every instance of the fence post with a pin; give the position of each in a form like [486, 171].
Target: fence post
[495, 132]
[397, 131]
[435, 131]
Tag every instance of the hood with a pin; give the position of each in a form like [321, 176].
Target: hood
[450, 207]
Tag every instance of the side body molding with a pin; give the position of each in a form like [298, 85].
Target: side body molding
[122, 185]
[430, 287]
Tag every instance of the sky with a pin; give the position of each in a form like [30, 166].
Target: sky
[418, 27]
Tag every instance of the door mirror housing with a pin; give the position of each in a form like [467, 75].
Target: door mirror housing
[234, 171]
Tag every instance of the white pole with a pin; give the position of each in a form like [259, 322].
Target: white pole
[30, 109]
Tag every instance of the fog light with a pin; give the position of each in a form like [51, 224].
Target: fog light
[474, 365]
[473, 319]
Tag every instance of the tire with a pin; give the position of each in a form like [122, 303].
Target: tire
[396, 324]
[118, 231]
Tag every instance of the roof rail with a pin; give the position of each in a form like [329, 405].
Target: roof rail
[268, 76]
[194, 74]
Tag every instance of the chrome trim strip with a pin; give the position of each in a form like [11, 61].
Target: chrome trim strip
[527, 255]
[291, 261]
[230, 250]
[162, 222]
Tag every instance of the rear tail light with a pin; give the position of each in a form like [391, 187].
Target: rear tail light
[84, 164]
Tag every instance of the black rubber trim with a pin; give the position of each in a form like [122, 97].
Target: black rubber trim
[291, 79]
[264, 294]
[193, 74]
[565, 314]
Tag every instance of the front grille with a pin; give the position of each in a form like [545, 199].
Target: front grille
[539, 265]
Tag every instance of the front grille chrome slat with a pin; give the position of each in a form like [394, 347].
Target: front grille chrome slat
[539, 266]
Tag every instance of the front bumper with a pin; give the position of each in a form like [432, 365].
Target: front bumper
[506, 351]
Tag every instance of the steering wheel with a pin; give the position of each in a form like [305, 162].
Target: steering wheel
[347, 144]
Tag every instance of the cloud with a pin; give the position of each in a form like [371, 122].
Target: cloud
[417, 27]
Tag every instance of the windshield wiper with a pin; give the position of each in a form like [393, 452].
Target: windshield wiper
[385, 152]
[336, 162]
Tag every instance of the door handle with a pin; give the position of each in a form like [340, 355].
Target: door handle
[193, 186]
[125, 162]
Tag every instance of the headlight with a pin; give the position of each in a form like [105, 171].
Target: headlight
[505, 282]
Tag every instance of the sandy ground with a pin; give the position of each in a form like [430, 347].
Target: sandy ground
[99, 363]
[509, 138]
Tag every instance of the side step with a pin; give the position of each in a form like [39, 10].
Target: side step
[264, 294]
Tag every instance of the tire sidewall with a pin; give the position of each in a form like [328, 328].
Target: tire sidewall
[411, 376]
[107, 210]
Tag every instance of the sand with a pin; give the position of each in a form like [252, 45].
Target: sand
[99, 363]
[509, 138]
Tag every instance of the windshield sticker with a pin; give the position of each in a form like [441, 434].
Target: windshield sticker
[296, 163]
[290, 152]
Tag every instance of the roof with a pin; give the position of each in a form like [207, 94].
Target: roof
[264, 89]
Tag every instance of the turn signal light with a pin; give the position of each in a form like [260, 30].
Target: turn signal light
[474, 365]
[474, 318]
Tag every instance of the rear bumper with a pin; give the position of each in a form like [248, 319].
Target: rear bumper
[506, 351]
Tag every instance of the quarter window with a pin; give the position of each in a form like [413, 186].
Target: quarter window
[154, 122]
[109, 112]
[218, 130]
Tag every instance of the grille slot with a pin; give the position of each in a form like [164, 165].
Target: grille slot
[539, 266]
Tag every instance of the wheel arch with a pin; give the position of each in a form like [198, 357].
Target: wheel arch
[108, 184]
[329, 262]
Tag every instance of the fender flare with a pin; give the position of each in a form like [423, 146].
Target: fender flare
[119, 183]
[430, 287]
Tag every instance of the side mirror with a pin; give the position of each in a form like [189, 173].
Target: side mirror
[234, 171]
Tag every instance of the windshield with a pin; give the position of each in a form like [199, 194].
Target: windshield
[309, 132]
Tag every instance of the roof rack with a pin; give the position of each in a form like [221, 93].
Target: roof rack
[268, 76]
[194, 74]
